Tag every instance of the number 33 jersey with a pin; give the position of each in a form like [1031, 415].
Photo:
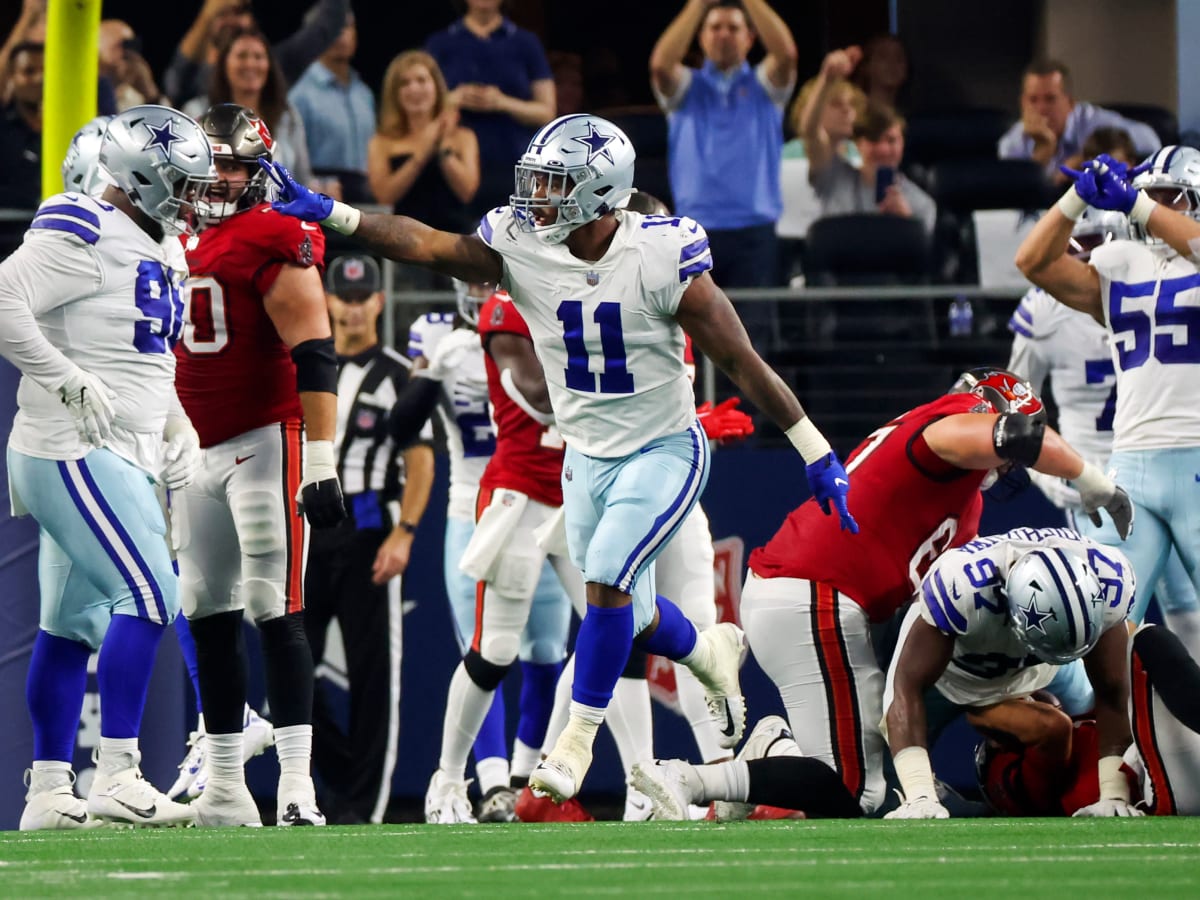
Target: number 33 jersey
[1151, 299]
[604, 331]
[107, 297]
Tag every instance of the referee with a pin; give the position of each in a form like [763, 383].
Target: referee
[354, 570]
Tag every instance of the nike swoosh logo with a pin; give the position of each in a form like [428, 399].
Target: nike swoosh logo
[309, 226]
[147, 813]
[81, 818]
[729, 728]
[238, 460]
[841, 481]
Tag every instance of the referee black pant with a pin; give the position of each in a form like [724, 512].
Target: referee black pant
[358, 762]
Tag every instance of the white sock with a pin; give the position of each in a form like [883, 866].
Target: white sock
[524, 758]
[293, 746]
[701, 657]
[47, 774]
[582, 725]
[492, 773]
[1186, 626]
[562, 705]
[630, 723]
[467, 705]
[117, 754]
[224, 758]
[723, 781]
[695, 710]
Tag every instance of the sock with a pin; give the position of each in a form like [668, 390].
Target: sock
[117, 754]
[492, 773]
[723, 781]
[675, 635]
[467, 705]
[288, 664]
[798, 782]
[47, 774]
[293, 746]
[490, 742]
[187, 649]
[224, 758]
[54, 689]
[538, 681]
[695, 710]
[629, 722]
[221, 664]
[524, 758]
[562, 705]
[601, 649]
[123, 673]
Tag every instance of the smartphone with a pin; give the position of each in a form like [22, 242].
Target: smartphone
[885, 177]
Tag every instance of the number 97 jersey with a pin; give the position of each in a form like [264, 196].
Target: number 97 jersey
[605, 331]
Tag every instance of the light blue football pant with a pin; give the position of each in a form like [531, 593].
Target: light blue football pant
[1164, 546]
[544, 639]
[102, 549]
[621, 512]
[1071, 686]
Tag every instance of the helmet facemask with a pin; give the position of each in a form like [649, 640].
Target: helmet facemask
[470, 299]
[178, 211]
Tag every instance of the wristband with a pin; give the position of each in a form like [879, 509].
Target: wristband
[408, 527]
[319, 460]
[808, 440]
[1142, 207]
[344, 219]
[1113, 783]
[1072, 205]
[915, 773]
[1092, 481]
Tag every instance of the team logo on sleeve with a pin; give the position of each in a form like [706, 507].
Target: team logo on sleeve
[497, 314]
[305, 251]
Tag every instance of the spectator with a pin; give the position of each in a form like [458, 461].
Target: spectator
[30, 28]
[122, 64]
[1054, 125]
[500, 79]
[338, 110]
[725, 126]
[1116, 142]
[246, 73]
[421, 161]
[191, 67]
[883, 73]
[842, 189]
[21, 129]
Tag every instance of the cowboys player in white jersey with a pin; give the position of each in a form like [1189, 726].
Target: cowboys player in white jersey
[992, 624]
[89, 312]
[1072, 349]
[607, 294]
[1145, 292]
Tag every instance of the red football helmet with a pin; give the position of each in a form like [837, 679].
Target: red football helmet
[1004, 390]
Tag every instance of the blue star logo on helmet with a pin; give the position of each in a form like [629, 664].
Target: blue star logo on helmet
[162, 137]
[597, 143]
[1034, 617]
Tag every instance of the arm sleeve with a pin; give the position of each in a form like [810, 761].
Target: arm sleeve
[298, 50]
[409, 419]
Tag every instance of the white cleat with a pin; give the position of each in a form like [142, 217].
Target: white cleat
[126, 798]
[55, 809]
[560, 775]
[296, 802]
[227, 806]
[664, 782]
[771, 736]
[190, 768]
[723, 693]
[498, 805]
[446, 802]
[638, 807]
[257, 734]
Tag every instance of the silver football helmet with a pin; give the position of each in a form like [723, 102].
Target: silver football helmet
[576, 169]
[470, 299]
[1056, 604]
[1173, 179]
[1098, 226]
[162, 160]
[81, 166]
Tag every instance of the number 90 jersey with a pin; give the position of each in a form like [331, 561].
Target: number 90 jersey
[963, 596]
[1151, 300]
[604, 331]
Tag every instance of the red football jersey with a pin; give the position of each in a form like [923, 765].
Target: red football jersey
[910, 506]
[529, 455]
[233, 371]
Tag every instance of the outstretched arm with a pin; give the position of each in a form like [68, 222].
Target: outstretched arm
[782, 56]
[666, 59]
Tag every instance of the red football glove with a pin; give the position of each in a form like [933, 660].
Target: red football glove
[725, 422]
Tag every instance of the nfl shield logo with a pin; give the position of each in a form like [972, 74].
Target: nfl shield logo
[354, 269]
[593, 279]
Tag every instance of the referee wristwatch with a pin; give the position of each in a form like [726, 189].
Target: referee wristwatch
[407, 526]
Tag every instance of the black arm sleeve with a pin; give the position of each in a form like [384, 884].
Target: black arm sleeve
[1173, 674]
[412, 410]
[297, 51]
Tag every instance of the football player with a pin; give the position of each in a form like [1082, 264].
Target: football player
[994, 620]
[258, 375]
[90, 310]
[809, 601]
[607, 295]
[1143, 291]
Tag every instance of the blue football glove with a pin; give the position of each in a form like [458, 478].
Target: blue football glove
[829, 482]
[295, 199]
[1103, 182]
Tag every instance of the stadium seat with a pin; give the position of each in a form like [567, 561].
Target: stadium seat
[866, 249]
[932, 137]
[1162, 120]
[965, 185]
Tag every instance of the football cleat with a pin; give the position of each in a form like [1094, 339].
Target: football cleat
[227, 806]
[257, 735]
[665, 783]
[638, 807]
[560, 775]
[190, 768]
[497, 805]
[296, 802]
[446, 802]
[300, 814]
[771, 736]
[723, 693]
[126, 798]
[56, 808]
[542, 809]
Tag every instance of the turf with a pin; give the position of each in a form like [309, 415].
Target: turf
[1059, 859]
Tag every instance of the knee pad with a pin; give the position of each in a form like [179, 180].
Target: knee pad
[264, 599]
[259, 517]
[486, 675]
[499, 648]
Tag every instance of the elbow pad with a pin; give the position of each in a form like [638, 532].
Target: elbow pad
[412, 410]
[1018, 438]
[316, 365]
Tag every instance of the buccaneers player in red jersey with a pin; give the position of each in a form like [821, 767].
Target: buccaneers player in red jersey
[813, 592]
[257, 374]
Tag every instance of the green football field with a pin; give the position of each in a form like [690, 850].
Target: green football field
[964, 860]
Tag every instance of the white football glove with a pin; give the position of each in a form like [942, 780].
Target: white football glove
[449, 354]
[1097, 491]
[1103, 809]
[89, 400]
[182, 457]
[1057, 491]
[919, 808]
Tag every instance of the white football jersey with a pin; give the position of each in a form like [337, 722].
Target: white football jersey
[464, 412]
[107, 297]
[1070, 347]
[963, 596]
[605, 331]
[1151, 300]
